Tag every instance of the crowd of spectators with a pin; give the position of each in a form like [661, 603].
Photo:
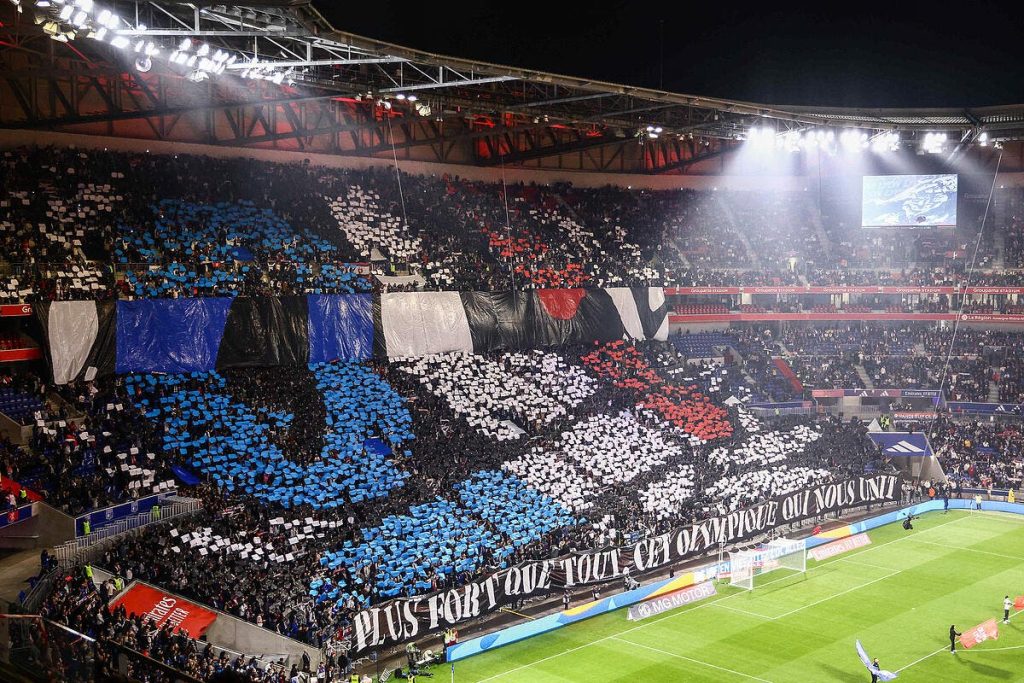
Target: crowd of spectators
[969, 365]
[332, 487]
[985, 454]
[89, 448]
[90, 224]
[132, 647]
[460, 499]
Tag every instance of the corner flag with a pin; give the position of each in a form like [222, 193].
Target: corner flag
[881, 673]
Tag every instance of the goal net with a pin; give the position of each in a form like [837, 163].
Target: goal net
[782, 553]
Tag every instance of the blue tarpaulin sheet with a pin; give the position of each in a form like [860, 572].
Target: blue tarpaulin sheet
[340, 327]
[170, 335]
[242, 254]
[376, 446]
[184, 476]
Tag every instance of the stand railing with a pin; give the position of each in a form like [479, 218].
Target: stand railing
[85, 548]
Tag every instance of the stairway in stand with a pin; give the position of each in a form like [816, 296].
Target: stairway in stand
[788, 373]
[863, 374]
[730, 217]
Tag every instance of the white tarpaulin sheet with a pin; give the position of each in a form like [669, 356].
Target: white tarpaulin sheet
[72, 329]
[421, 323]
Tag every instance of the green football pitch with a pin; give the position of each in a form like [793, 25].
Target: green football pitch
[898, 595]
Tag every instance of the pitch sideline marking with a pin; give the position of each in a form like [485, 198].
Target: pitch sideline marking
[918, 661]
[996, 649]
[970, 550]
[651, 622]
[690, 659]
[944, 648]
[997, 515]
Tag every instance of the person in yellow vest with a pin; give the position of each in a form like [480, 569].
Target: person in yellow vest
[22, 497]
[354, 678]
[118, 584]
[155, 513]
[1011, 497]
[86, 527]
[451, 637]
[88, 571]
[977, 501]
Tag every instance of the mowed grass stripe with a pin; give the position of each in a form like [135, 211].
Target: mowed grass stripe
[900, 618]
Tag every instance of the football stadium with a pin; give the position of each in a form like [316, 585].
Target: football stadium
[345, 344]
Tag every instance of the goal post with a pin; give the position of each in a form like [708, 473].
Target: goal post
[781, 553]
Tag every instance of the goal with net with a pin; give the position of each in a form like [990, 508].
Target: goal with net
[781, 553]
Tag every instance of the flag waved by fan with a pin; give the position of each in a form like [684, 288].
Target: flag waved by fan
[872, 665]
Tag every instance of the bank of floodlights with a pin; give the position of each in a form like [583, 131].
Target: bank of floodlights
[888, 141]
[66, 20]
[934, 142]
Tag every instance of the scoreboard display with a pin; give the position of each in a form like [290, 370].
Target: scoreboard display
[909, 201]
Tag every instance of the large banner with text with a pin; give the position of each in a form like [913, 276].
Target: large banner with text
[408, 618]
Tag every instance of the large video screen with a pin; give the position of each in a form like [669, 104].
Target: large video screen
[909, 201]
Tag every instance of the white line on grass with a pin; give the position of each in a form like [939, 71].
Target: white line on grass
[864, 564]
[841, 593]
[1015, 558]
[718, 603]
[690, 659]
[673, 614]
[944, 648]
[918, 661]
[993, 649]
[1004, 516]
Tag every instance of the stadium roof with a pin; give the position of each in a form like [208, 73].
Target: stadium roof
[295, 82]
